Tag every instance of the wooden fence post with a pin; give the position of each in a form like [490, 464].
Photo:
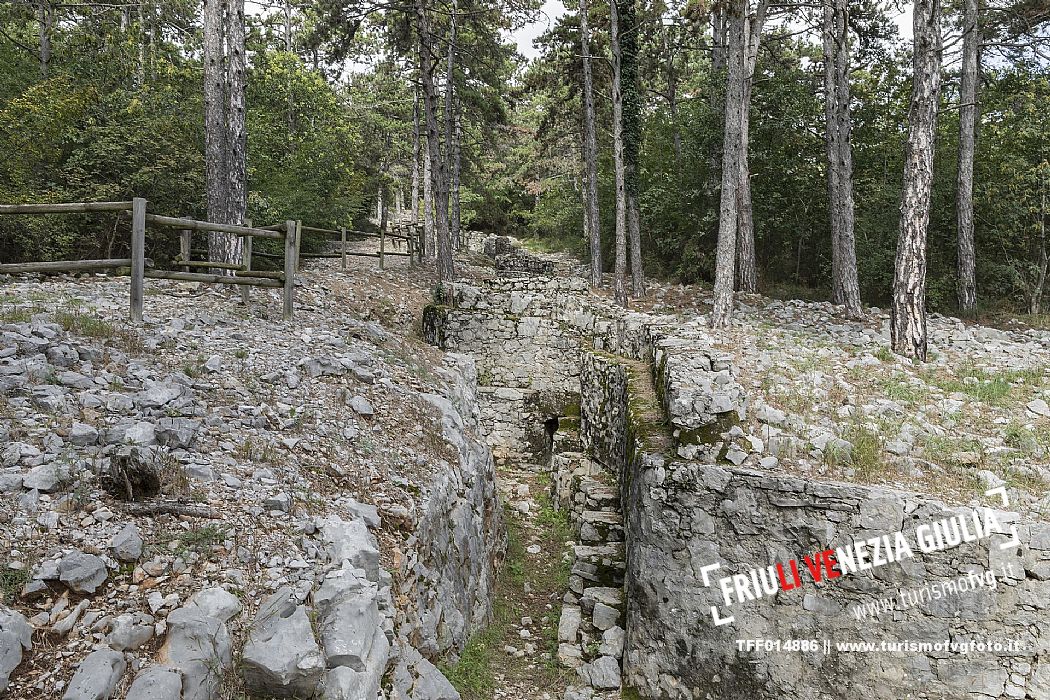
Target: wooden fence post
[342, 244]
[291, 254]
[246, 251]
[411, 251]
[298, 241]
[382, 247]
[138, 256]
[186, 247]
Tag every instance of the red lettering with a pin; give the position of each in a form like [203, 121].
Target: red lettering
[813, 564]
[784, 585]
[830, 564]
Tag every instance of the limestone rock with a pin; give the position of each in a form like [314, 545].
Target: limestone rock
[46, 478]
[82, 434]
[156, 682]
[197, 645]
[361, 406]
[281, 657]
[177, 432]
[348, 628]
[431, 684]
[127, 544]
[83, 573]
[216, 602]
[16, 637]
[603, 673]
[130, 631]
[351, 541]
[97, 676]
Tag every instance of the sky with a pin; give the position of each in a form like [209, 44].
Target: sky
[552, 10]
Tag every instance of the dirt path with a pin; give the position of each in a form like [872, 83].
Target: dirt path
[515, 657]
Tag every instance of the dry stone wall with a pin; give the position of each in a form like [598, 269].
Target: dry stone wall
[543, 345]
[686, 515]
[524, 335]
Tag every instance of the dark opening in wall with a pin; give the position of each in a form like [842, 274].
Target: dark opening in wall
[550, 426]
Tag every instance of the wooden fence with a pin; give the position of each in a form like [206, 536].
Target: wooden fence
[138, 267]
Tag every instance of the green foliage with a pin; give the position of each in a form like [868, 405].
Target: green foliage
[679, 208]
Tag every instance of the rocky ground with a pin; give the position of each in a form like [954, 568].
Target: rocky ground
[249, 435]
[827, 398]
[263, 443]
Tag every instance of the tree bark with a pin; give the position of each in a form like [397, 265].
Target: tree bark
[908, 311]
[439, 182]
[415, 158]
[716, 93]
[620, 269]
[747, 269]
[237, 139]
[427, 242]
[634, 239]
[590, 154]
[454, 216]
[731, 144]
[216, 161]
[450, 90]
[845, 286]
[384, 204]
[631, 134]
[966, 258]
[46, 22]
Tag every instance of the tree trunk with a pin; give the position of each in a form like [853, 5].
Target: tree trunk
[140, 64]
[384, 207]
[1035, 305]
[428, 201]
[454, 217]
[236, 119]
[415, 158]
[845, 287]
[908, 312]
[967, 278]
[216, 159]
[46, 22]
[634, 239]
[747, 271]
[732, 141]
[450, 90]
[620, 270]
[439, 183]
[716, 92]
[630, 133]
[590, 154]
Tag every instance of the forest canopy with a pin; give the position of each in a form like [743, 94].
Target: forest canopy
[352, 111]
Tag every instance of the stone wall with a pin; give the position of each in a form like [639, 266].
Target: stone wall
[603, 410]
[681, 516]
[525, 335]
[685, 507]
[446, 578]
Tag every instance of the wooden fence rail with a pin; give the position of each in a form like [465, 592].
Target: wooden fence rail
[136, 266]
[139, 268]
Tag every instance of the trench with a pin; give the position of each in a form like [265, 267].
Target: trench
[561, 419]
[621, 428]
